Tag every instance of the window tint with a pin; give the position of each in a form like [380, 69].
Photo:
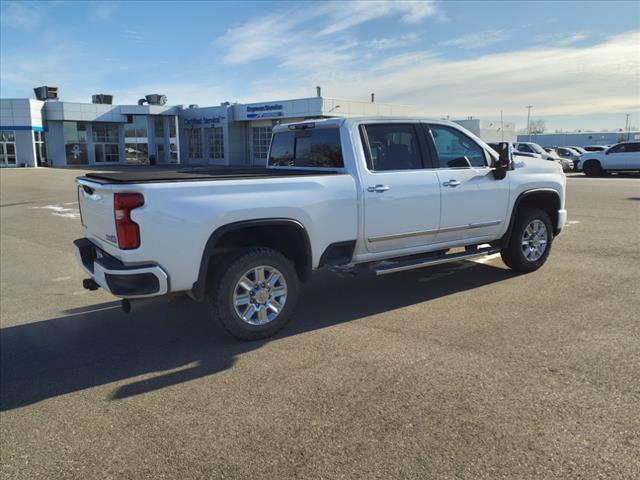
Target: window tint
[452, 146]
[393, 146]
[307, 148]
[523, 147]
[618, 149]
[633, 147]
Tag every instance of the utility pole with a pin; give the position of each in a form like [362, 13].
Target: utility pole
[627, 127]
[501, 126]
[529, 107]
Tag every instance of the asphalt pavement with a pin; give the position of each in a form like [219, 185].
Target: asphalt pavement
[465, 370]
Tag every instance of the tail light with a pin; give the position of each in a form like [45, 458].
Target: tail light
[127, 230]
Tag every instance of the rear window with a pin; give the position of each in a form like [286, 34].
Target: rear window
[306, 148]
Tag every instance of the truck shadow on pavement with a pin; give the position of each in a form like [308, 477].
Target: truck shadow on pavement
[176, 341]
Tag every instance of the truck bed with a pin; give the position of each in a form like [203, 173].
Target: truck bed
[200, 174]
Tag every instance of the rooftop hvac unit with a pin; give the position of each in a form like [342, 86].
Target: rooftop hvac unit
[46, 93]
[156, 99]
[193, 105]
[102, 98]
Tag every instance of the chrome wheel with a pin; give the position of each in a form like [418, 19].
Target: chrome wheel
[260, 295]
[534, 240]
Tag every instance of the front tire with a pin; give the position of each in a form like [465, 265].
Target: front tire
[530, 241]
[592, 169]
[254, 293]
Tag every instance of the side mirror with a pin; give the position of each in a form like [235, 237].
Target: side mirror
[503, 164]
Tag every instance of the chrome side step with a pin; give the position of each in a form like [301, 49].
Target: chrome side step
[401, 266]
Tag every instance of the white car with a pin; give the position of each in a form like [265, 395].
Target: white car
[623, 157]
[596, 148]
[360, 196]
[530, 147]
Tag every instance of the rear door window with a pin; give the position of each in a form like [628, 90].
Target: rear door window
[393, 146]
[307, 148]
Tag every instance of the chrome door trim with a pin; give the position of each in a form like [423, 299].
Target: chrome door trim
[397, 236]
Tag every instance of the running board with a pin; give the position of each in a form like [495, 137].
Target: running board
[401, 266]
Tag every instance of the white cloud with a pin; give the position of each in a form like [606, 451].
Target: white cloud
[134, 35]
[405, 59]
[557, 80]
[563, 39]
[102, 11]
[316, 26]
[21, 15]
[482, 39]
[346, 15]
[388, 43]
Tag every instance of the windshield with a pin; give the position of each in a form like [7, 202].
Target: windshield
[537, 148]
[579, 149]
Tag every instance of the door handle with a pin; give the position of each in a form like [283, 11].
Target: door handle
[451, 183]
[378, 188]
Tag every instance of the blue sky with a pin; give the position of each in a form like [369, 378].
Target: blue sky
[578, 63]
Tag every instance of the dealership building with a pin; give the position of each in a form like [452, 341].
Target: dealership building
[50, 132]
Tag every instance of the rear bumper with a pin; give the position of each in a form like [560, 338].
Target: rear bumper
[117, 278]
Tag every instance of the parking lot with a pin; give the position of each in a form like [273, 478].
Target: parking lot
[464, 370]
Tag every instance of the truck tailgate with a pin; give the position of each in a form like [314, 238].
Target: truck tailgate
[96, 211]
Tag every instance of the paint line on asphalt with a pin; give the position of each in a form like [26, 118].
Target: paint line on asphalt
[60, 211]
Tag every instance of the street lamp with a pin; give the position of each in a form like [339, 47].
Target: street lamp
[627, 127]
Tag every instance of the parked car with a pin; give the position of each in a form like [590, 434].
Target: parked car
[359, 196]
[596, 148]
[570, 158]
[580, 150]
[530, 147]
[498, 147]
[622, 157]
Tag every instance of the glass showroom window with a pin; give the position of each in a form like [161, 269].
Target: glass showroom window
[136, 141]
[75, 143]
[261, 139]
[195, 143]
[158, 127]
[106, 142]
[173, 140]
[215, 139]
[7, 147]
[41, 151]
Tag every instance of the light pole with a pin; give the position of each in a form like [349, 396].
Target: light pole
[627, 127]
[529, 107]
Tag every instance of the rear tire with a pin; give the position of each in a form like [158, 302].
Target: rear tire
[592, 169]
[254, 293]
[530, 241]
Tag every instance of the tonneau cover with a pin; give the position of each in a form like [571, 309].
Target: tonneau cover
[198, 173]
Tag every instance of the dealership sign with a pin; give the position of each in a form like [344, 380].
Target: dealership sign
[193, 122]
[265, 111]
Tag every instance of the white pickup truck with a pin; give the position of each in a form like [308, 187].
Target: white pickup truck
[359, 196]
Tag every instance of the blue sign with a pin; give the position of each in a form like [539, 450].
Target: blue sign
[265, 111]
[264, 108]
